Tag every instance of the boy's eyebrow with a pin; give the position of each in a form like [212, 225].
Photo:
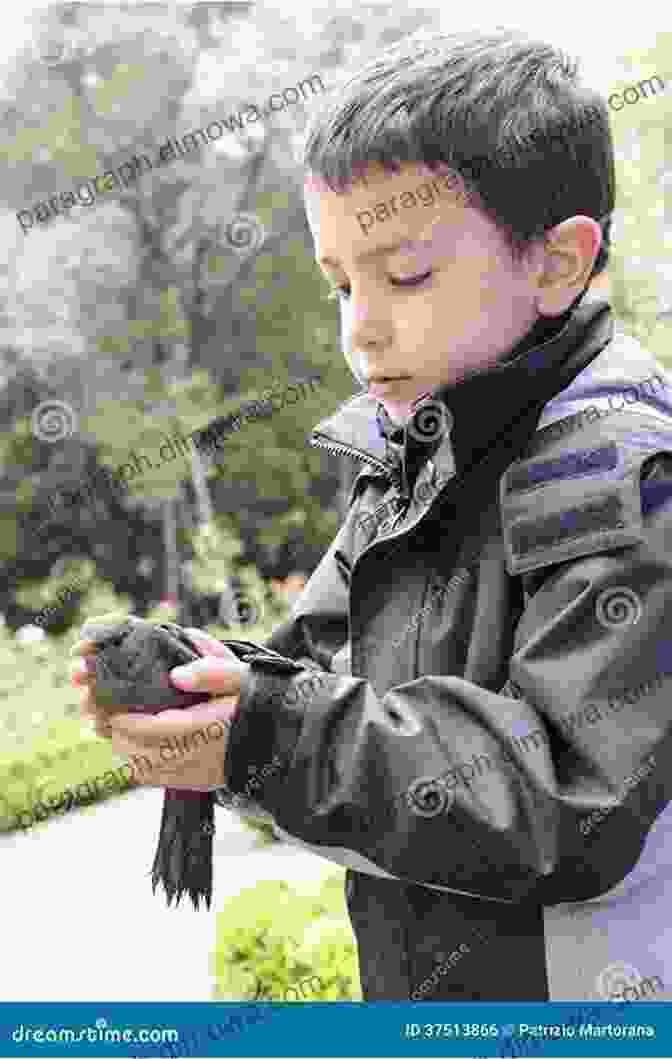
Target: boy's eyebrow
[389, 248]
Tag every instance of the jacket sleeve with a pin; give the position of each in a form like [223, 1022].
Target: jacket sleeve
[314, 640]
[446, 784]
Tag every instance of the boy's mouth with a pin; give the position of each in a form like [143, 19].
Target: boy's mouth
[384, 385]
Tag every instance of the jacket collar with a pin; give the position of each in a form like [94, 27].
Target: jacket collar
[455, 425]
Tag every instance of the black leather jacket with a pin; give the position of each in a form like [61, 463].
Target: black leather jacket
[470, 704]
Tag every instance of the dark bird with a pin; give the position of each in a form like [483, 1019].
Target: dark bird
[132, 661]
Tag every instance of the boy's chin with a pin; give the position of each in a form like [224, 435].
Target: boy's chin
[398, 411]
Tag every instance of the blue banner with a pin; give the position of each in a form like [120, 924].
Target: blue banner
[385, 1028]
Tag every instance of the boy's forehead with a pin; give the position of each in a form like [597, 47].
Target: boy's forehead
[375, 180]
[380, 206]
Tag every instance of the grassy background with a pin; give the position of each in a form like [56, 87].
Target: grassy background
[272, 942]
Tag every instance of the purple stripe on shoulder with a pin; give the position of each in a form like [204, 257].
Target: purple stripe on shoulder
[570, 465]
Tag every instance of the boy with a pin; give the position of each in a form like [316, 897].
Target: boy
[493, 619]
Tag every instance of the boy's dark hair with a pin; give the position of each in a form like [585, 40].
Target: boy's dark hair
[508, 113]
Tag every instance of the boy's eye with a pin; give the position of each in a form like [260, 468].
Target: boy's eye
[344, 292]
[410, 281]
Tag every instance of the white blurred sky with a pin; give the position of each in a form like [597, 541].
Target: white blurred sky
[597, 35]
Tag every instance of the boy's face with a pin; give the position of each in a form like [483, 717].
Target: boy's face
[471, 308]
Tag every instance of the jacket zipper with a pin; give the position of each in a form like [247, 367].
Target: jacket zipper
[340, 449]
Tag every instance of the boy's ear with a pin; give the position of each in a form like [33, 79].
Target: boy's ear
[570, 251]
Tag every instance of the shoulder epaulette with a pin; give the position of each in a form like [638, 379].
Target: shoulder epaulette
[580, 491]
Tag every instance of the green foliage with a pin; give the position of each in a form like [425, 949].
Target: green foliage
[271, 939]
[47, 595]
[170, 323]
[215, 546]
[60, 131]
[45, 747]
[125, 79]
[641, 134]
[18, 450]
[295, 327]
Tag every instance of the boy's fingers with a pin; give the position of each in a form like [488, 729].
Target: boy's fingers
[219, 676]
[168, 723]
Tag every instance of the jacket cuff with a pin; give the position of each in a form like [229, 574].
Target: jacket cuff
[264, 731]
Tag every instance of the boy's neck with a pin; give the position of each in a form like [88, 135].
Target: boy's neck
[541, 331]
[503, 387]
[545, 327]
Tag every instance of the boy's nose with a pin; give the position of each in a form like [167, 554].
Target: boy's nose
[368, 332]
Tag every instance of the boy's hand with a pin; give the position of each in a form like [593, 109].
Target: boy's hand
[82, 670]
[196, 766]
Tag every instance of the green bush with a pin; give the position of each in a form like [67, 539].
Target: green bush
[275, 944]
